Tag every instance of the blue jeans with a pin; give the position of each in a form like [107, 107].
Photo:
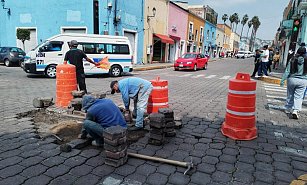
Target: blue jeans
[295, 93]
[140, 105]
[94, 130]
[263, 68]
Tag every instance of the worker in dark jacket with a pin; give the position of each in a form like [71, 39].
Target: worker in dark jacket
[100, 114]
[75, 57]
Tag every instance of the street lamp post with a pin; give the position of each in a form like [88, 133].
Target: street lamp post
[153, 14]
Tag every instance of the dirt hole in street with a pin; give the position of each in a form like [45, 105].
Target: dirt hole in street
[66, 128]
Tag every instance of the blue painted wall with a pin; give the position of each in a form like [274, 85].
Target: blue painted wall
[210, 40]
[48, 16]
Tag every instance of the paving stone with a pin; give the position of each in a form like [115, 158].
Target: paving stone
[74, 152]
[48, 146]
[136, 177]
[95, 161]
[200, 178]
[53, 161]
[30, 153]
[125, 170]
[245, 167]
[206, 168]
[146, 169]
[228, 158]
[34, 171]
[14, 180]
[210, 160]
[31, 161]
[75, 161]
[218, 146]
[243, 177]
[163, 153]
[282, 166]
[201, 146]
[81, 170]
[223, 177]
[205, 140]
[166, 169]
[65, 179]
[247, 159]
[11, 171]
[157, 179]
[299, 165]
[263, 158]
[103, 170]
[264, 177]
[246, 151]
[89, 179]
[281, 157]
[260, 166]
[79, 143]
[260, 183]
[179, 179]
[230, 151]
[57, 171]
[225, 167]
[10, 161]
[10, 153]
[50, 153]
[38, 180]
[284, 176]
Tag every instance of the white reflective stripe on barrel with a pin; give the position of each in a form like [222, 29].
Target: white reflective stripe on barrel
[158, 104]
[240, 113]
[159, 87]
[241, 92]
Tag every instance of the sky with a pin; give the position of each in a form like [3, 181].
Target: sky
[269, 13]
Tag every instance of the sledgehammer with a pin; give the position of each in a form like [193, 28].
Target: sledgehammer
[189, 165]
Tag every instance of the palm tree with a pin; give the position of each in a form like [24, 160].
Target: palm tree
[237, 22]
[250, 23]
[232, 20]
[256, 23]
[224, 18]
[236, 19]
[243, 22]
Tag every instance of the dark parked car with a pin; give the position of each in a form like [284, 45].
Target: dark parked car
[11, 55]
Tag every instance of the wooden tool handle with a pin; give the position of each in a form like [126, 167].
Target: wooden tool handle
[178, 163]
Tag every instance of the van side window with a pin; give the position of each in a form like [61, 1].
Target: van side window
[89, 48]
[101, 48]
[51, 47]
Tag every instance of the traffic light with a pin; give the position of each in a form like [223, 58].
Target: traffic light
[296, 25]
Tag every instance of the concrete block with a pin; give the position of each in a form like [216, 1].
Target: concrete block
[116, 155]
[78, 94]
[118, 148]
[98, 95]
[116, 142]
[156, 131]
[159, 137]
[76, 103]
[114, 132]
[116, 162]
[42, 102]
[159, 125]
[170, 124]
[167, 112]
[157, 117]
[170, 134]
[155, 142]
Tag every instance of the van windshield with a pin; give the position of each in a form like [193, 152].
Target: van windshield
[39, 45]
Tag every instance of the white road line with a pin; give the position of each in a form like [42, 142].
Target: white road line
[210, 76]
[186, 75]
[275, 90]
[275, 101]
[198, 76]
[274, 87]
[225, 77]
[277, 107]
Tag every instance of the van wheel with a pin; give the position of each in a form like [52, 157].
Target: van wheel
[50, 71]
[7, 63]
[116, 71]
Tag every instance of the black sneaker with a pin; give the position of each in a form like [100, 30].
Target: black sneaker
[295, 114]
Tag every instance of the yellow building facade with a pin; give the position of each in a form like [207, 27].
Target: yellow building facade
[195, 33]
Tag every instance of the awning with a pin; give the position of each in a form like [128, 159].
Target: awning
[164, 38]
[174, 37]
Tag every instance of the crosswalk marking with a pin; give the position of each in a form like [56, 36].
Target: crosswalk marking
[210, 76]
[275, 87]
[225, 77]
[276, 90]
[186, 75]
[198, 76]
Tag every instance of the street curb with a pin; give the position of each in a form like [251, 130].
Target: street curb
[272, 80]
[159, 67]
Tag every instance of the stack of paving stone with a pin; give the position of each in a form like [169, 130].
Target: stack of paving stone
[115, 145]
[169, 121]
[157, 126]
[76, 103]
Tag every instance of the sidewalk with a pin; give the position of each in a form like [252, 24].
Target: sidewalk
[145, 67]
[275, 76]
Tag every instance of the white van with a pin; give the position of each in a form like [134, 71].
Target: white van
[45, 57]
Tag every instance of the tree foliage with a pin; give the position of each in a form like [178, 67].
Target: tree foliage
[23, 34]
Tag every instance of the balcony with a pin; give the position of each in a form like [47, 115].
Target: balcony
[302, 5]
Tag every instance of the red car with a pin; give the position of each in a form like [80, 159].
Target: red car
[192, 61]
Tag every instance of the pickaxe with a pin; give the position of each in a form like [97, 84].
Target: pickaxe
[189, 165]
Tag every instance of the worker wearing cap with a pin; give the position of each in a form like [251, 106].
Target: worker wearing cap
[100, 114]
[75, 57]
[137, 89]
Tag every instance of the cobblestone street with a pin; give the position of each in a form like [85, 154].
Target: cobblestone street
[277, 156]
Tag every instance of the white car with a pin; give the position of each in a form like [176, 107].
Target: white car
[241, 54]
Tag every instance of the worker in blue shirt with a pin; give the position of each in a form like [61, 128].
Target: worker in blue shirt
[137, 89]
[100, 114]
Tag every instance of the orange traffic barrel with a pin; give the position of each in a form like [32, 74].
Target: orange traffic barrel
[66, 82]
[159, 95]
[240, 120]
